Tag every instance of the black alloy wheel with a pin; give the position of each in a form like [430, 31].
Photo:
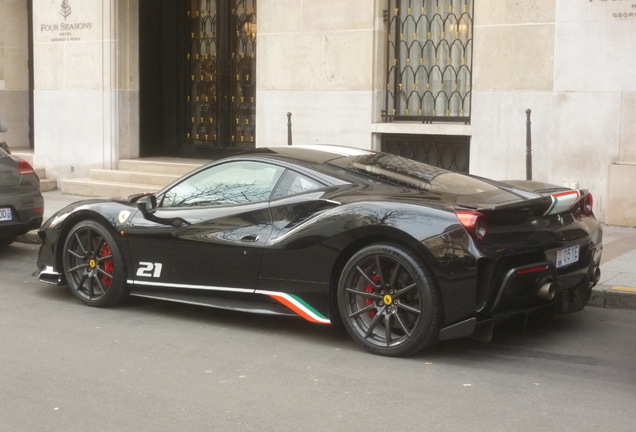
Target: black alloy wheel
[388, 301]
[93, 265]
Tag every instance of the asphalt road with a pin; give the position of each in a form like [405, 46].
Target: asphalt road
[153, 366]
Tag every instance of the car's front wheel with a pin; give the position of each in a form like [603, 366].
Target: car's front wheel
[94, 267]
[388, 301]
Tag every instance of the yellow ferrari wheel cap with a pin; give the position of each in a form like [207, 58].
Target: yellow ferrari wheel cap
[92, 263]
[388, 299]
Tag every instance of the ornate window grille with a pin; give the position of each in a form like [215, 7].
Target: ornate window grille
[444, 151]
[221, 64]
[429, 60]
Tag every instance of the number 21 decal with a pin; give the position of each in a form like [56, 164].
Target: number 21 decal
[148, 269]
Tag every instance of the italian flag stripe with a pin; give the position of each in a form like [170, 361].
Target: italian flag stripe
[562, 201]
[299, 306]
[555, 200]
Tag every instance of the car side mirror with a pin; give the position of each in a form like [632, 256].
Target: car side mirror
[147, 204]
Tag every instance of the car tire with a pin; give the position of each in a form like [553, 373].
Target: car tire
[93, 265]
[388, 301]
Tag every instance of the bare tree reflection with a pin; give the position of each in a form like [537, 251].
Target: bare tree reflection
[216, 194]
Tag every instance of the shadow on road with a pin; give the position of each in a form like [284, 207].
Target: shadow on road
[510, 340]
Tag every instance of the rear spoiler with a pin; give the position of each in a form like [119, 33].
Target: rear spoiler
[546, 204]
[564, 201]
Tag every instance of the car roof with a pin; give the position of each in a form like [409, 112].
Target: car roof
[308, 154]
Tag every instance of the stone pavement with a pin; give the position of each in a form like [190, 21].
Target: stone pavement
[616, 289]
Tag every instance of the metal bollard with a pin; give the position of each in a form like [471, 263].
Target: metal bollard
[528, 145]
[289, 130]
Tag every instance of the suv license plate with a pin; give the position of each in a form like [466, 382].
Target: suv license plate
[5, 214]
[567, 256]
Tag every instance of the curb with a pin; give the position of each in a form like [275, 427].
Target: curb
[30, 238]
[613, 297]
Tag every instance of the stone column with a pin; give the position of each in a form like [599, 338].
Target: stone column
[86, 89]
[14, 73]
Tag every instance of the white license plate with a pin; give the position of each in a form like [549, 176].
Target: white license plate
[567, 256]
[5, 214]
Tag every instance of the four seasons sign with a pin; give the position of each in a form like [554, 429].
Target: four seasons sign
[619, 9]
[66, 9]
[65, 31]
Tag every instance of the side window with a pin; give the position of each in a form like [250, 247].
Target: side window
[230, 183]
[293, 183]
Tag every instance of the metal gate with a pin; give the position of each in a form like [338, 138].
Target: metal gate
[219, 83]
[429, 60]
[448, 152]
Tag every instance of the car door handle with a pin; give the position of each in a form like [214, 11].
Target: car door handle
[249, 238]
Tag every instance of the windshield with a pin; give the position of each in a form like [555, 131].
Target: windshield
[399, 170]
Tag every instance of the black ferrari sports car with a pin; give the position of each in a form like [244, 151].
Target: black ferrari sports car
[403, 254]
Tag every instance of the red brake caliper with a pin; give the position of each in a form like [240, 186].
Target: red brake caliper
[369, 289]
[109, 267]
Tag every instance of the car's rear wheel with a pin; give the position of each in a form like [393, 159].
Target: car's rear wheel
[93, 265]
[388, 301]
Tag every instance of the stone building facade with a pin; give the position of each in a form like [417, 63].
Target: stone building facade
[127, 78]
[14, 71]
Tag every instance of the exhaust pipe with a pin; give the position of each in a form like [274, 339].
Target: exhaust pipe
[597, 275]
[547, 291]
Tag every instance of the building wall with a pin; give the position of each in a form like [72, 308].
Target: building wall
[86, 82]
[14, 72]
[571, 62]
[316, 59]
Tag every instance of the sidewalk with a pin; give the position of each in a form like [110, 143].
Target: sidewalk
[616, 289]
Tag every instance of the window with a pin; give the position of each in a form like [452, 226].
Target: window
[230, 183]
[293, 183]
[430, 50]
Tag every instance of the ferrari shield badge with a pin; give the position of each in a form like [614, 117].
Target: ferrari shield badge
[123, 215]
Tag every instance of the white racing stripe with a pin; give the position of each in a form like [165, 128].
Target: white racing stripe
[184, 286]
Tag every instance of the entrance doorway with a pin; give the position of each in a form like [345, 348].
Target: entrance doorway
[197, 77]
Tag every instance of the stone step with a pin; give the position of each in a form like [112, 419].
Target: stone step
[133, 176]
[140, 177]
[47, 184]
[107, 189]
[164, 165]
[25, 154]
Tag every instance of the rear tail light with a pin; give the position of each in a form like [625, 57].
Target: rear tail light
[25, 168]
[474, 222]
[587, 204]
